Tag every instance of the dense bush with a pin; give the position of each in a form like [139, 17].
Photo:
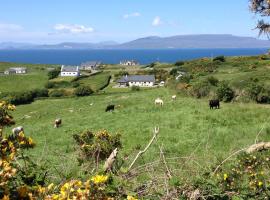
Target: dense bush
[57, 93]
[224, 92]
[96, 147]
[54, 73]
[200, 89]
[174, 71]
[21, 98]
[179, 63]
[40, 93]
[135, 88]
[83, 91]
[219, 58]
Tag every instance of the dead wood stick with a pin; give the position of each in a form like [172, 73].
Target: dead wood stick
[156, 131]
[109, 162]
[168, 171]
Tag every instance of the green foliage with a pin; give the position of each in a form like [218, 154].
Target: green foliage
[54, 73]
[179, 63]
[98, 146]
[83, 91]
[224, 92]
[219, 58]
[212, 80]
[75, 84]
[57, 93]
[200, 89]
[135, 88]
[49, 85]
[40, 93]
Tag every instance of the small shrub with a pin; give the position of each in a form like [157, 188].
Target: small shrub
[219, 58]
[83, 91]
[21, 98]
[135, 88]
[224, 92]
[57, 93]
[174, 71]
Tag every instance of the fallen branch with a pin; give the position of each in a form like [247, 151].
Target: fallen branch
[156, 131]
[258, 147]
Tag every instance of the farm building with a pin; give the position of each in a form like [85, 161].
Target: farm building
[16, 70]
[137, 80]
[129, 62]
[70, 71]
[91, 65]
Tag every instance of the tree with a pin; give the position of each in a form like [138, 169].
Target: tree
[54, 73]
[262, 8]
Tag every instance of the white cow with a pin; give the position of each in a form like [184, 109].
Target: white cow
[174, 97]
[17, 130]
[159, 101]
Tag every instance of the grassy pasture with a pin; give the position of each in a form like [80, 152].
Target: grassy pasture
[188, 128]
[96, 82]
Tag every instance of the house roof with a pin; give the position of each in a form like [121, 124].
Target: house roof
[91, 63]
[137, 78]
[17, 68]
[69, 68]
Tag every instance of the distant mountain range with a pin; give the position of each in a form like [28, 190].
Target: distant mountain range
[154, 42]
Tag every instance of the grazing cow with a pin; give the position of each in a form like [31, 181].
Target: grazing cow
[17, 130]
[159, 101]
[174, 97]
[214, 104]
[57, 123]
[110, 108]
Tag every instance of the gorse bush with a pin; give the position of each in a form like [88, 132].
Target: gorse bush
[49, 85]
[83, 91]
[179, 63]
[96, 146]
[224, 92]
[212, 80]
[219, 58]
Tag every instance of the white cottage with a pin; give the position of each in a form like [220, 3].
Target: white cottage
[129, 62]
[16, 70]
[70, 71]
[137, 80]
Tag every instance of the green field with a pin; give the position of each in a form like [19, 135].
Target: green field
[96, 82]
[188, 128]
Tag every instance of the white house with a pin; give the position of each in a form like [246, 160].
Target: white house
[91, 65]
[137, 80]
[70, 71]
[129, 62]
[16, 70]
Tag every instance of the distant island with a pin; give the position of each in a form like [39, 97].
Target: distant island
[154, 42]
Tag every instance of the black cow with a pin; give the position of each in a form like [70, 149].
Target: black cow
[214, 104]
[110, 108]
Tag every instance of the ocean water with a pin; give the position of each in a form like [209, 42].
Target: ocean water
[76, 57]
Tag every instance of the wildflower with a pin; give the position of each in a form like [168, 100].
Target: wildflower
[131, 198]
[260, 183]
[99, 179]
[225, 177]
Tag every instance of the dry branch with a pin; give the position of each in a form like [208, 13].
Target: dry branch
[156, 131]
[258, 147]
[168, 171]
[109, 162]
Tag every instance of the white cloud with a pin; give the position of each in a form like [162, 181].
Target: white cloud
[157, 21]
[135, 14]
[6, 28]
[72, 28]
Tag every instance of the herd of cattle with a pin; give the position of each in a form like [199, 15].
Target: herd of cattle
[214, 103]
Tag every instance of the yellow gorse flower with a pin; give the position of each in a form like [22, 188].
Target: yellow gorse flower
[99, 179]
[225, 177]
[260, 183]
[131, 198]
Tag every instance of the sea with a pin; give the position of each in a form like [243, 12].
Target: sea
[109, 56]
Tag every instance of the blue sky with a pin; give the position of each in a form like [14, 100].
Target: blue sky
[53, 21]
